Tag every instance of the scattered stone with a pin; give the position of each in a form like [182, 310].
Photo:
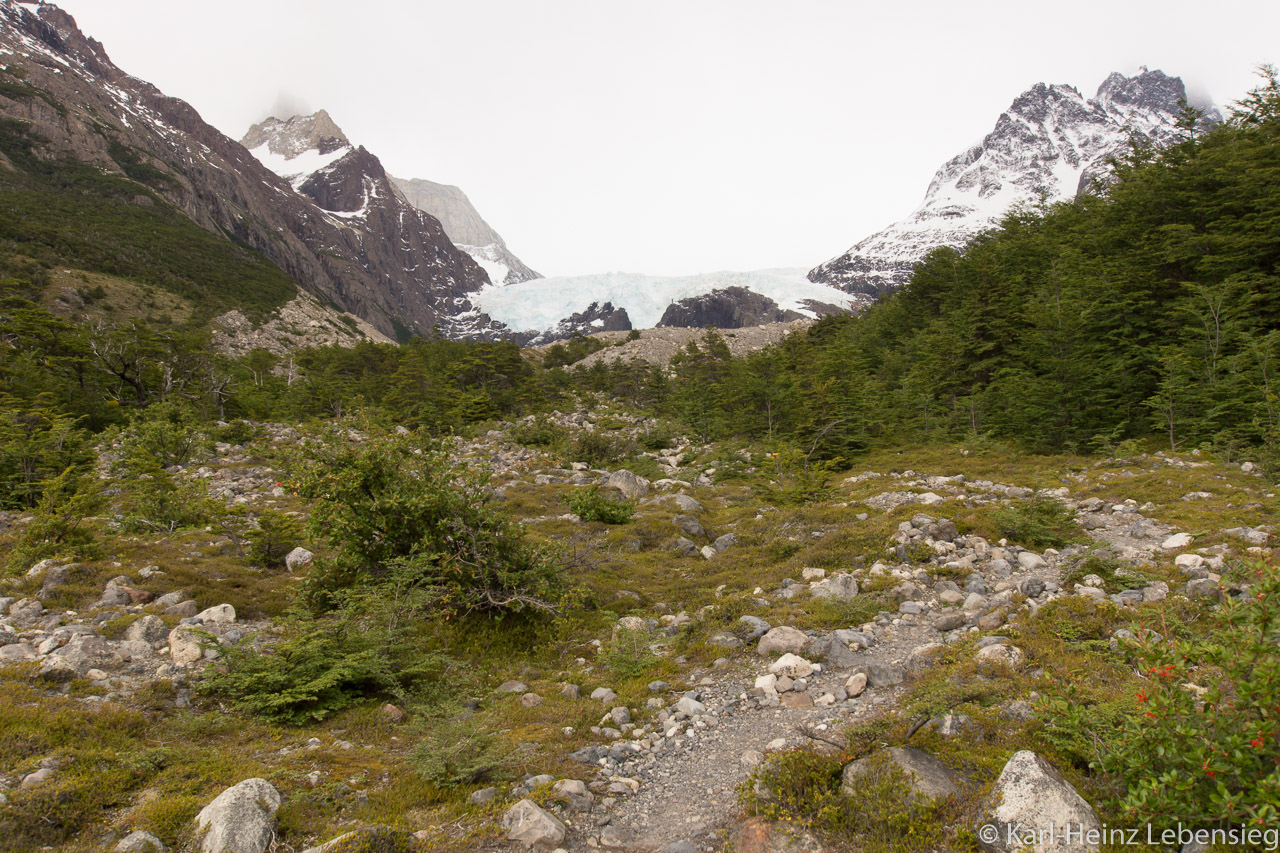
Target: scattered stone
[530, 700]
[856, 684]
[149, 629]
[782, 639]
[631, 486]
[184, 646]
[724, 543]
[298, 558]
[842, 587]
[483, 796]
[1000, 655]
[1176, 542]
[1031, 796]
[532, 826]
[392, 713]
[757, 627]
[1030, 561]
[221, 614]
[241, 819]
[950, 622]
[140, 841]
[574, 792]
[513, 686]
[929, 777]
[572, 691]
[604, 695]
[791, 666]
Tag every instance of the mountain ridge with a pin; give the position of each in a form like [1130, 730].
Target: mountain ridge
[1049, 145]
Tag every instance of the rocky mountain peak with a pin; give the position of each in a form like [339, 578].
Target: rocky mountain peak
[1049, 145]
[288, 138]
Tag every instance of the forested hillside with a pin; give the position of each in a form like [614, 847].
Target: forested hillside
[1151, 308]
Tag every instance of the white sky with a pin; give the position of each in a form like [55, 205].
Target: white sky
[668, 136]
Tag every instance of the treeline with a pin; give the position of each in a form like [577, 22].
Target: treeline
[1151, 308]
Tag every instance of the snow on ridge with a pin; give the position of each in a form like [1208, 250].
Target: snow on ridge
[542, 302]
[297, 169]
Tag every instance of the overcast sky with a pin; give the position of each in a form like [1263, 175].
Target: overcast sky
[668, 136]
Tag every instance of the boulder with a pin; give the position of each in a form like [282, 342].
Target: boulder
[1030, 561]
[574, 793]
[222, 614]
[631, 486]
[532, 826]
[791, 666]
[1029, 799]
[184, 646]
[782, 639]
[837, 653]
[756, 626]
[140, 842]
[298, 558]
[149, 629]
[843, 587]
[929, 777]
[1176, 542]
[241, 819]
[1000, 655]
[84, 652]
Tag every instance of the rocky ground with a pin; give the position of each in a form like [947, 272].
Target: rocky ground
[664, 770]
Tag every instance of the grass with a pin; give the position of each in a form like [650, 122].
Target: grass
[139, 763]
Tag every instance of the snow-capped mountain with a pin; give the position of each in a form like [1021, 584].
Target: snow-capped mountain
[1051, 144]
[724, 299]
[301, 146]
[383, 261]
[466, 228]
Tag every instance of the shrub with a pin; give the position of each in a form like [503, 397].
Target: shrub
[597, 449]
[1201, 742]
[58, 525]
[403, 517]
[1038, 522]
[276, 535]
[628, 653]
[591, 504]
[539, 432]
[456, 751]
[320, 671]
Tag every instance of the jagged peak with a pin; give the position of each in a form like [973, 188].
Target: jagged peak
[290, 137]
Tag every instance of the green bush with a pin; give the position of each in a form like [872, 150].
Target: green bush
[1200, 743]
[1038, 522]
[58, 526]
[403, 518]
[597, 449]
[539, 432]
[455, 750]
[628, 654]
[276, 535]
[320, 670]
[591, 504]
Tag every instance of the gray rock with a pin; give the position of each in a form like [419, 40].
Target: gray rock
[184, 646]
[620, 715]
[513, 686]
[17, 653]
[604, 695]
[882, 675]
[185, 609]
[725, 641]
[690, 706]
[690, 526]
[483, 796]
[842, 587]
[298, 558]
[241, 819]
[1032, 587]
[84, 652]
[685, 503]
[574, 793]
[1029, 797]
[527, 823]
[631, 486]
[685, 547]
[140, 842]
[149, 629]
[220, 614]
[837, 653]
[724, 543]
[171, 598]
[930, 778]
[758, 627]
[1030, 561]
[1203, 588]
[950, 621]
[782, 639]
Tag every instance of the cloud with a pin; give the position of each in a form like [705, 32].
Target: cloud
[288, 105]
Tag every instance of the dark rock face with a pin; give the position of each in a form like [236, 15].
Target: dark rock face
[730, 308]
[595, 318]
[392, 266]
